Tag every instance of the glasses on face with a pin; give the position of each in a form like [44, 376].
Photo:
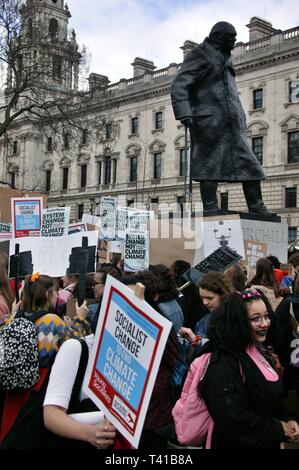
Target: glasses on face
[258, 319]
[97, 284]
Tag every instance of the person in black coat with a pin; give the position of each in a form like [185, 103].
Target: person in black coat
[241, 387]
[205, 99]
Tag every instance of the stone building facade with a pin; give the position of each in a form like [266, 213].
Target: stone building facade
[137, 149]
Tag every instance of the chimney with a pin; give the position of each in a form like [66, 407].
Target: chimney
[97, 82]
[259, 28]
[187, 47]
[142, 66]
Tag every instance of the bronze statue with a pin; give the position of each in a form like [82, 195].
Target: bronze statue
[205, 98]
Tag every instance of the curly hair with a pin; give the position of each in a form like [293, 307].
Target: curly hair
[217, 283]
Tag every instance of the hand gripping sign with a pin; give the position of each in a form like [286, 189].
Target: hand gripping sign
[129, 343]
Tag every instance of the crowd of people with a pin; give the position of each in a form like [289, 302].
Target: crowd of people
[246, 324]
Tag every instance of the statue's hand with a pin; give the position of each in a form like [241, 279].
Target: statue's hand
[187, 121]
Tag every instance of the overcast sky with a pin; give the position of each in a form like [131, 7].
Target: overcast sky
[117, 31]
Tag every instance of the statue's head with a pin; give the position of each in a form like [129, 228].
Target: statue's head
[224, 34]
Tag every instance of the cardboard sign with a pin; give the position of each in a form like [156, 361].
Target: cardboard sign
[136, 253]
[220, 260]
[26, 216]
[71, 306]
[55, 222]
[254, 251]
[129, 343]
[51, 255]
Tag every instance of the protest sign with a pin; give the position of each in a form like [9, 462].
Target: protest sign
[128, 346]
[51, 255]
[115, 246]
[220, 260]
[76, 228]
[26, 216]
[108, 207]
[121, 223]
[5, 231]
[136, 256]
[55, 222]
[90, 219]
[5, 228]
[138, 221]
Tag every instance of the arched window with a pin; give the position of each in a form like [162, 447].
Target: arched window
[53, 28]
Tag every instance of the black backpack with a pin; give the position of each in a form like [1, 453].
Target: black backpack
[29, 432]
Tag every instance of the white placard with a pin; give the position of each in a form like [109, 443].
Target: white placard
[108, 207]
[26, 216]
[55, 222]
[50, 255]
[136, 256]
[129, 343]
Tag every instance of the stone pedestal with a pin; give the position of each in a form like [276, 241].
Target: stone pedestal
[252, 236]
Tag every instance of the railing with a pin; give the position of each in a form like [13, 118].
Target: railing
[114, 87]
[134, 81]
[253, 46]
[160, 73]
[289, 34]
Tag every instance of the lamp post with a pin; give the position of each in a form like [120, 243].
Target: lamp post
[92, 205]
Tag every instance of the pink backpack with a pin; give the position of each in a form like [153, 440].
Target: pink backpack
[193, 424]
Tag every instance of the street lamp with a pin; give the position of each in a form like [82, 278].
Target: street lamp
[92, 205]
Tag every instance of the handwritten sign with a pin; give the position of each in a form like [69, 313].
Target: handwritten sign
[220, 260]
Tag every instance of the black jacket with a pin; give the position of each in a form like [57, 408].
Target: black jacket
[246, 411]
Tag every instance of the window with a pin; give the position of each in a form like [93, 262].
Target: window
[291, 197]
[80, 211]
[293, 147]
[257, 145]
[135, 125]
[107, 170]
[49, 144]
[53, 28]
[183, 162]
[155, 205]
[258, 99]
[292, 234]
[133, 169]
[114, 170]
[224, 201]
[65, 178]
[159, 120]
[48, 180]
[56, 67]
[66, 141]
[294, 91]
[99, 172]
[83, 176]
[157, 165]
[109, 131]
[13, 179]
[15, 147]
[130, 202]
[84, 136]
